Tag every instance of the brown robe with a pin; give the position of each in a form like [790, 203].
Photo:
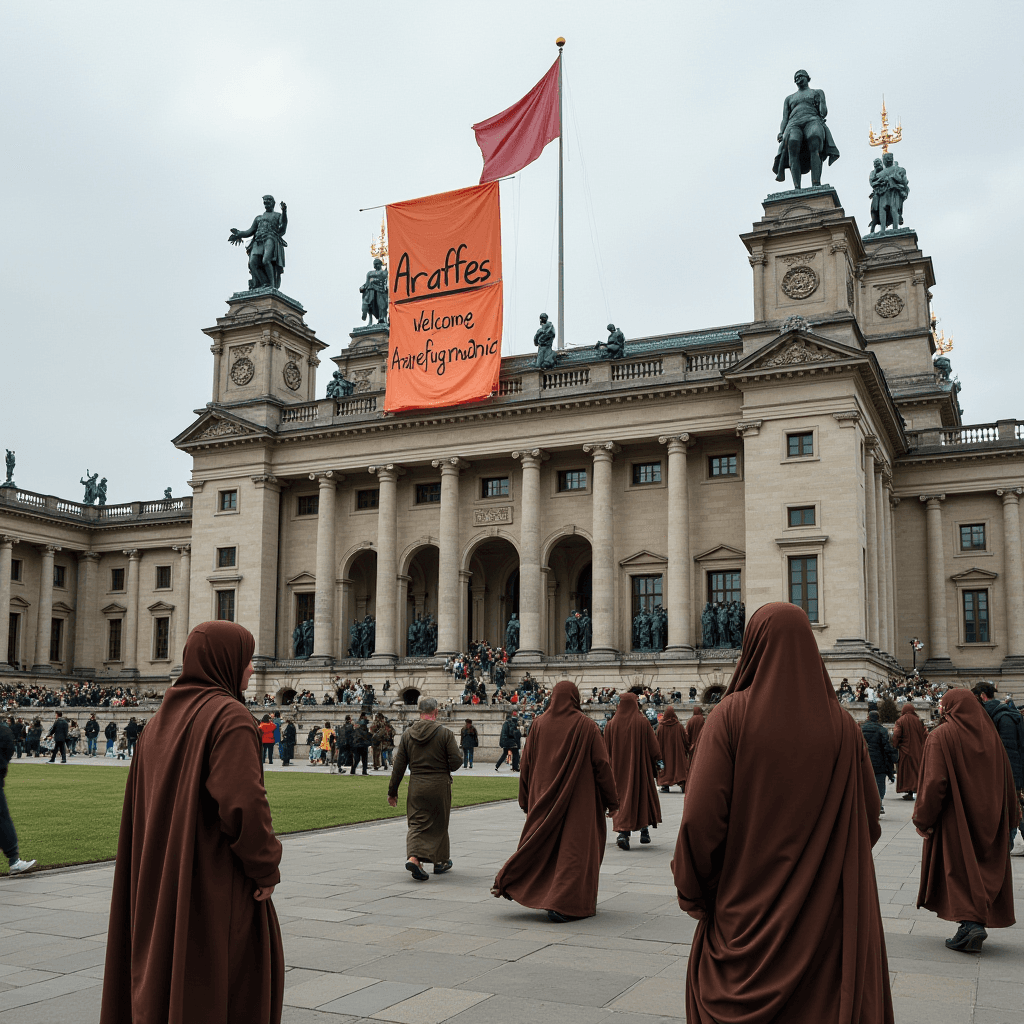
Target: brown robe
[908, 736]
[966, 796]
[774, 850]
[693, 728]
[633, 751]
[565, 784]
[187, 940]
[431, 754]
[674, 752]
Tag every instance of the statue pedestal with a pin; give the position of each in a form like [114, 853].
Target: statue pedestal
[364, 361]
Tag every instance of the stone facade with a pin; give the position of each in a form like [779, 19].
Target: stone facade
[814, 453]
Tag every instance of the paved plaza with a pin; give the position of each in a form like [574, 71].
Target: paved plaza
[363, 942]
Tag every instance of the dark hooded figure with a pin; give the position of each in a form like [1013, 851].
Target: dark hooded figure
[634, 753]
[193, 934]
[693, 728]
[565, 785]
[908, 736]
[775, 865]
[966, 810]
[674, 751]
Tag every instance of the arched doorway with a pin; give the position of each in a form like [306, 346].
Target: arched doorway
[284, 696]
[411, 696]
[493, 590]
[421, 594]
[712, 695]
[569, 586]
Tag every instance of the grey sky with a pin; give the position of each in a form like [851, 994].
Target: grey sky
[135, 135]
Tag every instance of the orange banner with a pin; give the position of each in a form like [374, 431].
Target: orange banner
[445, 306]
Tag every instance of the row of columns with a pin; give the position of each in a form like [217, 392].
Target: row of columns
[532, 591]
[878, 522]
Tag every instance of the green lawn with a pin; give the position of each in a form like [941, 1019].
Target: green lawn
[71, 815]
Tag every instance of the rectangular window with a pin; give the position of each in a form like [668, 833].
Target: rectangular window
[163, 577]
[495, 487]
[724, 586]
[304, 607]
[722, 465]
[646, 473]
[428, 494]
[114, 641]
[60, 576]
[228, 501]
[14, 623]
[161, 638]
[972, 537]
[976, 617]
[646, 593]
[226, 558]
[803, 585]
[572, 479]
[117, 579]
[368, 499]
[803, 516]
[226, 605]
[56, 639]
[309, 504]
[15, 569]
[799, 444]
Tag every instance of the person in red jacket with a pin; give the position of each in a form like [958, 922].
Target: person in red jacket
[267, 735]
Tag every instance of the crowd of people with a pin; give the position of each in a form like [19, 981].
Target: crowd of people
[912, 687]
[34, 738]
[84, 694]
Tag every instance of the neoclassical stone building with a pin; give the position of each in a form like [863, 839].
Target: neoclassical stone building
[814, 454]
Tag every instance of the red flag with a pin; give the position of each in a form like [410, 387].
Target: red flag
[515, 137]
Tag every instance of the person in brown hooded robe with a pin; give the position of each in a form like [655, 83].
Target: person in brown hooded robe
[773, 858]
[565, 785]
[193, 934]
[966, 809]
[693, 728]
[674, 751]
[634, 753]
[908, 736]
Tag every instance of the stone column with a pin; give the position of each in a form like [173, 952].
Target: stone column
[387, 560]
[871, 530]
[603, 547]
[402, 622]
[464, 577]
[6, 549]
[85, 629]
[181, 623]
[449, 549]
[531, 600]
[881, 552]
[938, 647]
[550, 585]
[1013, 566]
[890, 509]
[677, 586]
[44, 612]
[129, 651]
[345, 615]
[326, 568]
[478, 592]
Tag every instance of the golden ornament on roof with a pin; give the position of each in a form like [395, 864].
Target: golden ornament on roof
[886, 137]
[379, 246]
[942, 343]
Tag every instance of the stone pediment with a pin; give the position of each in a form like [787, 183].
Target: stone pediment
[642, 558]
[302, 579]
[721, 553]
[63, 607]
[794, 350]
[974, 575]
[113, 609]
[215, 427]
[160, 606]
[19, 602]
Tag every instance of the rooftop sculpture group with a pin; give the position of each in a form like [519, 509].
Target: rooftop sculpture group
[94, 492]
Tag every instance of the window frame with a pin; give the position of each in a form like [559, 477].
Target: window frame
[115, 657]
[367, 509]
[973, 548]
[986, 598]
[506, 480]
[562, 476]
[221, 510]
[60, 577]
[124, 580]
[220, 563]
[157, 656]
[426, 488]
[636, 472]
[789, 432]
[811, 507]
[708, 588]
[312, 498]
[17, 570]
[804, 558]
[57, 632]
[169, 585]
[14, 623]
[712, 456]
[219, 596]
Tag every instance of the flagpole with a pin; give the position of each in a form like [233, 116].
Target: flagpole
[560, 42]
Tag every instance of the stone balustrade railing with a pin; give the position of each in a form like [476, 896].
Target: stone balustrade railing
[975, 435]
[62, 508]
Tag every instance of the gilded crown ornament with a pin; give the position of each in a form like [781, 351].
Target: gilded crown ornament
[886, 137]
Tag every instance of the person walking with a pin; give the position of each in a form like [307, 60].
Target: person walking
[18, 730]
[193, 934]
[1010, 726]
[276, 719]
[635, 757]
[908, 736]
[74, 735]
[266, 730]
[360, 744]
[59, 734]
[469, 741]
[672, 740]
[387, 744]
[345, 737]
[880, 751]
[693, 728]
[965, 812]
[326, 742]
[33, 735]
[431, 754]
[375, 740]
[566, 787]
[8, 835]
[92, 730]
[131, 732]
[510, 740]
[775, 866]
[110, 734]
[288, 743]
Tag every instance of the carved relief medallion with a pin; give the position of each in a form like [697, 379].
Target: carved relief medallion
[242, 371]
[797, 352]
[493, 515]
[889, 305]
[292, 375]
[800, 282]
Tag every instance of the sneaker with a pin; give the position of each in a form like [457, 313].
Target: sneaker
[440, 869]
[19, 867]
[645, 837]
[623, 841]
[417, 871]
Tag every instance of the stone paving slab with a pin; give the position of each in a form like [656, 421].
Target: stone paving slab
[365, 943]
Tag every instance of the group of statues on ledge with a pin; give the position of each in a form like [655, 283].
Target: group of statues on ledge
[613, 348]
[512, 635]
[650, 629]
[579, 632]
[362, 637]
[94, 492]
[421, 637]
[339, 386]
[721, 624]
[302, 639]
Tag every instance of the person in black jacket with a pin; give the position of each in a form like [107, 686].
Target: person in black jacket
[59, 732]
[8, 837]
[880, 750]
[345, 736]
[1010, 726]
[18, 731]
[360, 744]
[131, 732]
[92, 730]
[111, 734]
[510, 739]
[287, 743]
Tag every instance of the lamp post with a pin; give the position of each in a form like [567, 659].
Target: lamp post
[915, 646]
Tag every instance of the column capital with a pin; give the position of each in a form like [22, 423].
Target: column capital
[88, 556]
[847, 417]
[132, 553]
[676, 442]
[450, 464]
[327, 478]
[6, 540]
[932, 500]
[748, 428]
[602, 449]
[49, 549]
[532, 456]
[182, 549]
[391, 470]
[464, 576]
[266, 480]
[1010, 495]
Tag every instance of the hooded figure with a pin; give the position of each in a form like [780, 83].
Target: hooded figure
[565, 784]
[674, 751]
[774, 852]
[693, 728]
[966, 809]
[634, 753]
[193, 935]
[908, 736]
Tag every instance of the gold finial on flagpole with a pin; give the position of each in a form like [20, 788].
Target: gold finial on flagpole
[885, 138]
[379, 246]
[560, 42]
[942, 343]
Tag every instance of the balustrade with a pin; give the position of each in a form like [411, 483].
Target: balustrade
[566, 379]
[356, 406]
[641, 368]
[702, 361]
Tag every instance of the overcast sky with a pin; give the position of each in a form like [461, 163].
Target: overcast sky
[136, 134]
